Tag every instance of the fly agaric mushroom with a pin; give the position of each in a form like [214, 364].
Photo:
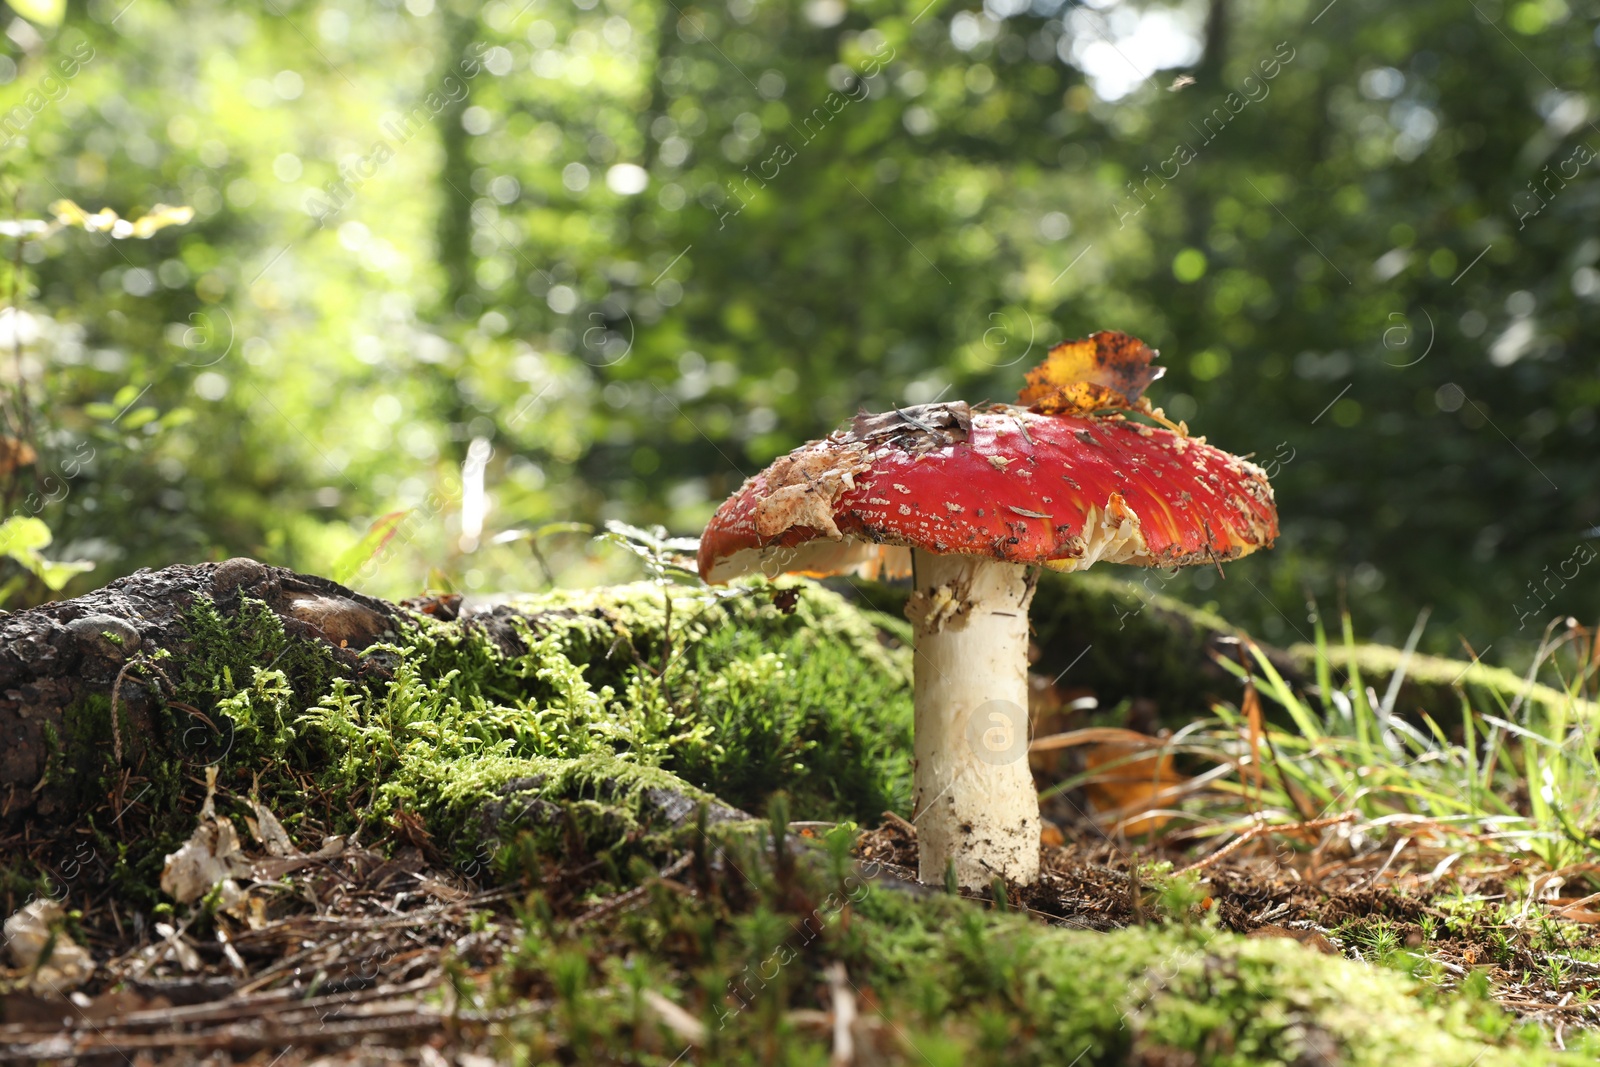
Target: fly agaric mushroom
[966, 499]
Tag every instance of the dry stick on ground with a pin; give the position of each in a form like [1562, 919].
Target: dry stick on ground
[1264, 828]
[243, 1035]
[844, 1015]
[637, 893]
[674, 1018]
[909, 828]
[139, 660]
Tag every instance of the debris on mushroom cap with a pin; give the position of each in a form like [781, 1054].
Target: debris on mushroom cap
[1066, 482]
[1073, 490]
[1104, 371]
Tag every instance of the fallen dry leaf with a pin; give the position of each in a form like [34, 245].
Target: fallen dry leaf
[1108, 370]
[15, 453]
[266, 829]
[1573, 909]
[39, 945]
[212, 856]
[1251, 705]
[1128, 782]
[1309, 938]
[1094, 735]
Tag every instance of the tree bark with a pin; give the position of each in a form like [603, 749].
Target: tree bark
[61, 656]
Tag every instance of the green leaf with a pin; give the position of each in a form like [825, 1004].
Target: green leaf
[135, 419]
[55, 574]
[23, 534]
[44, 12]
[663, 556]
[106, 220]
[21, 538]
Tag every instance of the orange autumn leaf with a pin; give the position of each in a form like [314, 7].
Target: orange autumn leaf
[15, 453]
[1107, 370]
[1580, 915]
[1251, 707]
[1126, 784]
[1573, 910]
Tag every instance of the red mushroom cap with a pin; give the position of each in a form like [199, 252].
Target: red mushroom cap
[1065, 490]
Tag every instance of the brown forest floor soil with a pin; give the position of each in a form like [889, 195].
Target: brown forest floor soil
[357, 957]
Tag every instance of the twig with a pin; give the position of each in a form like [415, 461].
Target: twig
[139, 660]
[674, 1018]
[238, 1007]
[1581, 902]
[414, 1017]
[844, 1015]
[1584, 965]
[1264, 828]
[1092, 735]
[906, 827]
[116, 727]
[637, 893]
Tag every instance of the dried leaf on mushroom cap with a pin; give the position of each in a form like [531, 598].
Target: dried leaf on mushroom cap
[1107, 371]
[1104, 371]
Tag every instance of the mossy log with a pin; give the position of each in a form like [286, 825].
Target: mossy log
[62, 664]
[585, 718]
[1120, 641]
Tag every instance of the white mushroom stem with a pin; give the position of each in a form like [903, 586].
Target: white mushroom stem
[975, 801]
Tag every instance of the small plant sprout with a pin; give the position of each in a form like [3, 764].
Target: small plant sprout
[965, 500]
[1557, 970]
[1382, 943]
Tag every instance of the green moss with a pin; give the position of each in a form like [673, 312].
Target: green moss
[611, 699]
[739, 700]
[1431, 681]
[816, 702]
[939, 980]
[22, 880]
[226, 650]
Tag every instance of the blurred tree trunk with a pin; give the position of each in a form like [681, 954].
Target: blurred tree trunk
[1216, 44]
[453, 231]
[453, 228]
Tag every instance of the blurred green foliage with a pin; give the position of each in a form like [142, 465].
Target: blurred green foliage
[639, 248]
